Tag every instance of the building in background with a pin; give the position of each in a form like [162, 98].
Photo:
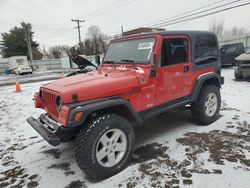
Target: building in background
[4, 65]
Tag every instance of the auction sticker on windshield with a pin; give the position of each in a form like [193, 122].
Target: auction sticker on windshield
[145, 45]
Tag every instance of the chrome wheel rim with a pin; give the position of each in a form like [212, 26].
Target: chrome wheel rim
[211, 104]
[111, 148]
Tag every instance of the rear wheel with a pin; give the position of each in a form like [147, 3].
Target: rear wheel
[237, 75]
[207, 107]
[105, 147]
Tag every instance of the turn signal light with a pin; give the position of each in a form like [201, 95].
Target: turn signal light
[78, 116]
[63, 115]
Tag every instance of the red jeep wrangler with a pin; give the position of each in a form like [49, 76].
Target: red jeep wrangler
[140, 77]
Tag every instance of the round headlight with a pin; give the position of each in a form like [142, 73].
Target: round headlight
[59, 103]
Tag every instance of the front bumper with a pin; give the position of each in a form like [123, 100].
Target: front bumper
[46, 128]
[51, 131]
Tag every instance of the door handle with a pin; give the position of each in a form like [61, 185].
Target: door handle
[186, 68]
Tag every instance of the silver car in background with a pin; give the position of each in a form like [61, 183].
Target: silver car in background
[242, 69]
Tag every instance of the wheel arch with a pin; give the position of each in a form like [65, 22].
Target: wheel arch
[209, 78]
[118, 106]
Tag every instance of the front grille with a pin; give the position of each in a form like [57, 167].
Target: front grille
[50, 103]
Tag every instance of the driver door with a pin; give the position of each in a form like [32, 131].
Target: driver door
[174, 75]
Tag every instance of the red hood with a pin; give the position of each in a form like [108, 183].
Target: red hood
[94, 85]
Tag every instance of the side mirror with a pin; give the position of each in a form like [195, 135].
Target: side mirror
[222, 51]
[97, 60]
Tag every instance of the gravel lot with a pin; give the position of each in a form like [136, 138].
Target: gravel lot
[172, 151]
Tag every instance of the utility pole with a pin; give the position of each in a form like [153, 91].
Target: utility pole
[28, 41]
[79, 32]
[247, 37]
[122, 30]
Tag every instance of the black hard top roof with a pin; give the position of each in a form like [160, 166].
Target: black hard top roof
[190, 33]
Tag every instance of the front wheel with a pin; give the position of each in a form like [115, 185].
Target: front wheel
[105, 147]
[207, 107]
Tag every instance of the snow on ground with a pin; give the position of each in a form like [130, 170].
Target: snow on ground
[172, 151]
[36, 76]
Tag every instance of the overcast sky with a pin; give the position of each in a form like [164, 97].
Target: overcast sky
[51, 19]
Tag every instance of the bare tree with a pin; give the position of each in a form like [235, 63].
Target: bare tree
[235, 33]
[74, 50]
[217, 26]
[95, 43]
[66, 50]
[37, 55]
[238, 32]
[59, 51]
[88, 47]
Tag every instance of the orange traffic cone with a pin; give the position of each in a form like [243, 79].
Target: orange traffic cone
[18, 87]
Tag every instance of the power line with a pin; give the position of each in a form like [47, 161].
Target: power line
[208, 14]
[103, 8]
[169, 20]
[92, 14]
[65, 40]
[112, 9]
[176, 16]
[193, 14]
[58, 32]
[184, 13]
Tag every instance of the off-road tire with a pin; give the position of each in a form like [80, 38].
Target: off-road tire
[198, 108]
[87, 141]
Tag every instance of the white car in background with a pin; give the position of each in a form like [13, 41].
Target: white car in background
[23, 69]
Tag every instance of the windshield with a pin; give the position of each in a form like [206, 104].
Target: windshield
[136, 51]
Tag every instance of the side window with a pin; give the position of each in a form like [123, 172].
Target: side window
[174, 51]
[206, 49]
[241, 47]
[232, 48]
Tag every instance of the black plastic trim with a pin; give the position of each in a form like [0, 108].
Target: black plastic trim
[92, 106]
[46, 129]
[165, 107]
[200, 82]
[52, 132]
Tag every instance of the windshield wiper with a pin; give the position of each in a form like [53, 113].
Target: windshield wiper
[130, 61]
[111, 62]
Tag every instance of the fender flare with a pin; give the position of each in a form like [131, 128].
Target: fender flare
[98, 105]
[200, 81]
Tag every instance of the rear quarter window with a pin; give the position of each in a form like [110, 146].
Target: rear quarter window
[206, 49]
